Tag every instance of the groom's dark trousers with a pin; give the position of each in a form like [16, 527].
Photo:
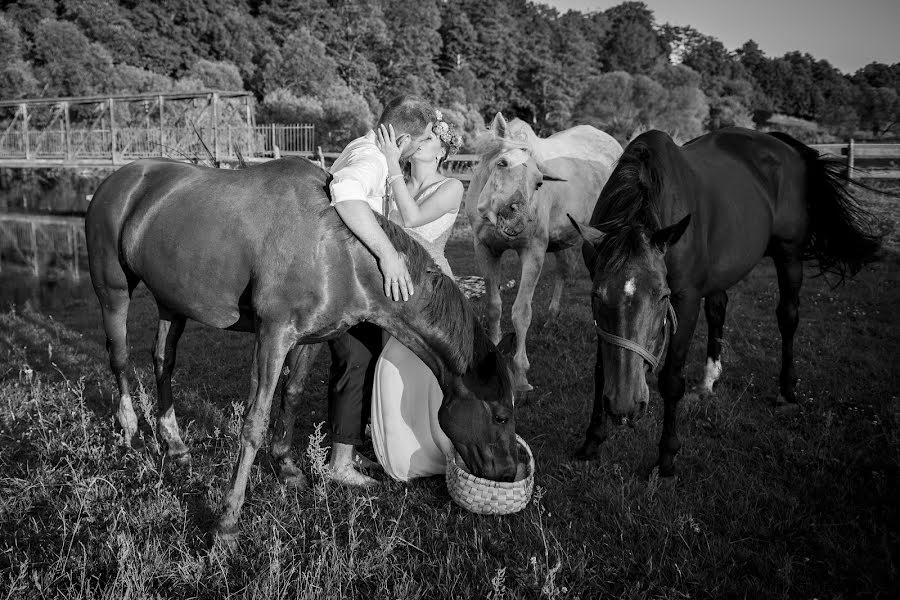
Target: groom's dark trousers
[353, 358]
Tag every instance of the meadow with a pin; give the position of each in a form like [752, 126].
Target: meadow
[765, 505]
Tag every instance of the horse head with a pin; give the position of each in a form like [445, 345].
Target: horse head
[631, 308]
[513, 175]
[478, 415]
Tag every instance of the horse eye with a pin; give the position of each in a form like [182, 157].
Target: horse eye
[500, 419]
[501, 163]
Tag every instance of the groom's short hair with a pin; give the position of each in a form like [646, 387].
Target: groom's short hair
[408, 114]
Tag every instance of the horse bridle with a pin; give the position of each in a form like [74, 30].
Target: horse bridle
[653, 361]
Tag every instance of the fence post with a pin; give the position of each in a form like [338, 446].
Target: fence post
[162, 133]
[68, 131]
[112, 130]
[34, 250]
[251, 143]
[215, 126]
[25, 132]
[850, 160]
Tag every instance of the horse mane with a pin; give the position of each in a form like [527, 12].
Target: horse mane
[489, 146]
[627, 210]
[466, 342]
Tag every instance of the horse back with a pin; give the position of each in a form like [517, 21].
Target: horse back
[199, 237]
[744, 189]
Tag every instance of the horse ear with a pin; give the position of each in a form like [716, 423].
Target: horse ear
[488, 366]
[667, 236]
[498, 126]
[548, 174]
[591, 235]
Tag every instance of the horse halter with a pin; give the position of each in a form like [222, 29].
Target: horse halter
[653, 361]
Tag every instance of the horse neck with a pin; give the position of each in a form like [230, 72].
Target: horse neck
[441, 343]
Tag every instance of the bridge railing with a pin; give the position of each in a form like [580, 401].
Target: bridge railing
[124, 144]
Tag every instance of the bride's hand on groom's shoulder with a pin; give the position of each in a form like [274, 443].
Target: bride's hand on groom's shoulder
[386, 140]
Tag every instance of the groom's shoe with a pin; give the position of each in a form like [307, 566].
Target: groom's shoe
[348, 475]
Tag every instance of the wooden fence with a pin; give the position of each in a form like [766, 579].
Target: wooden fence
[866, 161]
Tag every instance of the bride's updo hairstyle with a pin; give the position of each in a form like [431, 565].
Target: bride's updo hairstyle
[408, 114]
[451, 139]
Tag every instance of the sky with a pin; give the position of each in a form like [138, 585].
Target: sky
[847, 33]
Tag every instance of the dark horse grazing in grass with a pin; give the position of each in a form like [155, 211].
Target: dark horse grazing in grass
[675, 225]
[260, 250]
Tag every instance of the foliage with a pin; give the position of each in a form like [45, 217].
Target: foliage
[516, 56]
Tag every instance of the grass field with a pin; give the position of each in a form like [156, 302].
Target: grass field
[765, 505]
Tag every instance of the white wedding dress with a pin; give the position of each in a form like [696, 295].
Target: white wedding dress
[407, 438]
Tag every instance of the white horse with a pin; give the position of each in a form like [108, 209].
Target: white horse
[519, 197]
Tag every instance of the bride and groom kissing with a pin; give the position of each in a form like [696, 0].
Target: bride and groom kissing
[394, 171]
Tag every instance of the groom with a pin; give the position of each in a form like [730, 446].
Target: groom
[358, 186]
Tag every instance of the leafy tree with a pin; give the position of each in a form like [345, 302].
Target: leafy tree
[16, 77]
[632, 43]
[29, 14]
[282, 106]
[67, 62]
[409, 64]
[106, 23]
[301, 66]
[217, 75]
[128, 79]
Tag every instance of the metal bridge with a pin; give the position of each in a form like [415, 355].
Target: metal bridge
[104, 131]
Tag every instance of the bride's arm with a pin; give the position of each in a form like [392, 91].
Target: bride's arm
[445, 199]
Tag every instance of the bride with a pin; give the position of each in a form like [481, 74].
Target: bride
[405, 397]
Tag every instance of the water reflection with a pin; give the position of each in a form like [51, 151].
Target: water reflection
[43, 294]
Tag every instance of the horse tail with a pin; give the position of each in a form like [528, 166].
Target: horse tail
[841, 235]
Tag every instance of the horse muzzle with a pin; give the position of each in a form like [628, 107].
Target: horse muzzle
[488, 464]
[511, 227]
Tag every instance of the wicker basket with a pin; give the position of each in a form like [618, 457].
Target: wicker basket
[487, 497]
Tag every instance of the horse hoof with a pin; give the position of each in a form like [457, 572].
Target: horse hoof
[587, 452]
[135, 442]
[786, 407]
[225, 537]
[522, 396]
[691, 398]
[182, 460]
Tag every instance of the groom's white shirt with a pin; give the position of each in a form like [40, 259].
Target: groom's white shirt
[360, 173]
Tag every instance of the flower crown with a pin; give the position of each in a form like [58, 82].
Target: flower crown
[447, 133]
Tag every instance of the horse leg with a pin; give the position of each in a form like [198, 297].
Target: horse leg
[563, 272]
[114, 292]
[299, 361]
[714, 306]
[272, 345]
[598, 428]
[532, 259]
[489, 265]
[168, 333]
[790, 278]
[671, 380]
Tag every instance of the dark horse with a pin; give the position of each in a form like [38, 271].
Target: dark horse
[260, 250]
[675, 225]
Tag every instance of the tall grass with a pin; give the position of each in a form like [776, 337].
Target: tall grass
[765, 505]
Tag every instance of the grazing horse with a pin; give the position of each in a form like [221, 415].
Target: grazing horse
[675, 225]
[518, 199]
[260, 250]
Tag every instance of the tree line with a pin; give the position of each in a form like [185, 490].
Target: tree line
[334, 62]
